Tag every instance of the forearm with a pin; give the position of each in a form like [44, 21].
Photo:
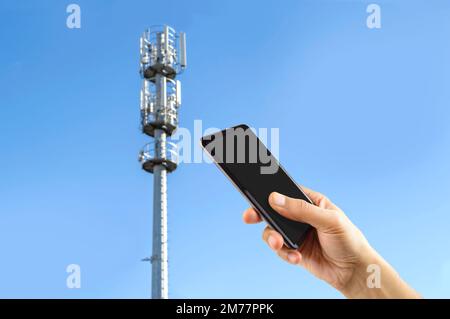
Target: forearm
[390, 283]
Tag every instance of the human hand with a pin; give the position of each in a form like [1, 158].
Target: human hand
[335, 250]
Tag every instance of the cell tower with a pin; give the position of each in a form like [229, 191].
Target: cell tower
[162, 58]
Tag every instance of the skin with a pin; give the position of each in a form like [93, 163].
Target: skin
[335, 250]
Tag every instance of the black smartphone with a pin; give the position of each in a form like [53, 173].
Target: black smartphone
[256, 173]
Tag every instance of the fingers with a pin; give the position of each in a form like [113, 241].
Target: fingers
[291, 256]
[275, 241]
[250, 216]
[302, 211]
[273, 238]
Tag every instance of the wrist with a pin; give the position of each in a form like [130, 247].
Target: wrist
[373, 277]
[357, 286]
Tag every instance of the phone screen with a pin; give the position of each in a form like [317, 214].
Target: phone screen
[257, 173]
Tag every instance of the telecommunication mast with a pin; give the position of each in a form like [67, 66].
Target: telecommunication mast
[162, 58]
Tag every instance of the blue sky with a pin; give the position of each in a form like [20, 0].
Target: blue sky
[363, 117]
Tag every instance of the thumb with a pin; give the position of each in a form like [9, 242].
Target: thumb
[302, 211]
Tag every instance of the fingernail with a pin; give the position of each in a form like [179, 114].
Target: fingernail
[272, 242]
[279, 199]
[293, 258]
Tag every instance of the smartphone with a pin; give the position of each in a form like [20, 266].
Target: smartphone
[256, 173]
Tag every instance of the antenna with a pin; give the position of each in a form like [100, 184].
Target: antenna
[162, 58]
[178, 88]
[183, 61]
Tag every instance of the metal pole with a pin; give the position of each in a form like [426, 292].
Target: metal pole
[159, 259]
